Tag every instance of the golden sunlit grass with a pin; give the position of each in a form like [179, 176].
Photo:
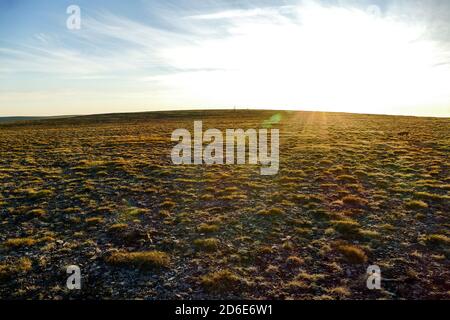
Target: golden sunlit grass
[438, 240]
[118, 227]
[346, 227]
[141, 260]
[340, 292]
[352, 254]
[271, 212]
[209, 244]
[36, 213]
[294, 261]
[207, 228]
[19, 242]
[354, 201]
[222, 281]
[296, 286]
[416, 204]
[100, 191]
[13, 269]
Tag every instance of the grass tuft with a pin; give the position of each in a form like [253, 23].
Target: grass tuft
[416, 205]
[141, 260]
[8, 271]
[221, 281]
[354, 201]
[209, 244]
[19, 242]
[352, 254]
[207, 228]
[436, 240]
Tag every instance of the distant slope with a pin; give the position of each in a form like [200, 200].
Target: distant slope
[14, 119]
[19, 119]
[138, 117]
[135, 117]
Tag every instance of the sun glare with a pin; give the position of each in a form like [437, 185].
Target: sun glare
[325, 58]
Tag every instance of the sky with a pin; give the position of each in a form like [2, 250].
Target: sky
[379, 56]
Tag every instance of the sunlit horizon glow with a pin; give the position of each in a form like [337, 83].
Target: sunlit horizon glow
[304, 55]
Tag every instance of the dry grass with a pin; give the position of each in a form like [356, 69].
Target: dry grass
[19, 242]
[272, 212]
[416, 205]
[354, 201]
[437, 240]
[222, 281]
[207, 228]
[346, 227]
[294, 261]
[209, 244]
[352, 254]
[13, 269]
[141, 260]
[350, 191]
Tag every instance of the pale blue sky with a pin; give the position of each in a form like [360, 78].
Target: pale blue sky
[390, 56]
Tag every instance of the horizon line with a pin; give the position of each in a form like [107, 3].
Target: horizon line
[220, 109]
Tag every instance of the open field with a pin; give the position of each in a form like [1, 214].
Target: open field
[101, 192]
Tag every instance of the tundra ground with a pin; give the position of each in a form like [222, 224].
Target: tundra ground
[101, 192]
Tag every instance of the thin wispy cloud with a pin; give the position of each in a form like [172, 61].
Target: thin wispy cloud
[248, 13]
